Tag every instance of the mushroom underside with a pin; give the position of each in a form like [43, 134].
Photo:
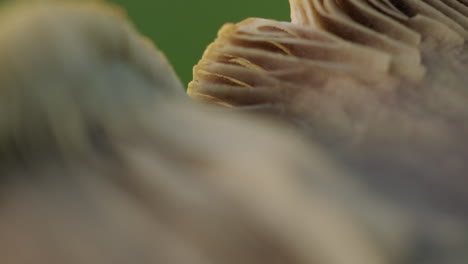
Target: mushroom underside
[381, 85]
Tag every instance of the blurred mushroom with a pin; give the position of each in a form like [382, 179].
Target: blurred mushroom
[67, 66]
[104, 161]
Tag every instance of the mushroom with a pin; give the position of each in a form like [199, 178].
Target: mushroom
[381, 85]
[385, 79]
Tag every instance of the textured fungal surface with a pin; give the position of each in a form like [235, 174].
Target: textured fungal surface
[367, 43]
[381, 84]
[385, 79]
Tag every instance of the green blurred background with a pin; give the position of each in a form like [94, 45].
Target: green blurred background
[183, 28]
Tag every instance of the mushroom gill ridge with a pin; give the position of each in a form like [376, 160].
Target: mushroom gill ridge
[368, 43]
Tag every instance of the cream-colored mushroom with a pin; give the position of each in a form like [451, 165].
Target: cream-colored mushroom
[362, 75]
[381, 85]
[104, 161]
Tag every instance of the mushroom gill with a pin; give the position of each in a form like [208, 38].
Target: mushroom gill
[383, 78]
[368, 43]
